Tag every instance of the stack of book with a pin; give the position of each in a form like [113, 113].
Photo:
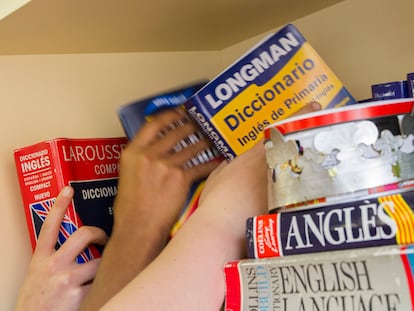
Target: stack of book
[340, 221]
[392, 89]
[339, 233]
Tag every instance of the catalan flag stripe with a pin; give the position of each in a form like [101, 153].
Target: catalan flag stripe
[402, 213]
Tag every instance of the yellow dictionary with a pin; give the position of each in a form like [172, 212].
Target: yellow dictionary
[269, 83]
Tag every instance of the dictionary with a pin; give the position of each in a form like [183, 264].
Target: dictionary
[383, 219]
[135, 114]
[89, 165]
[410, 84]
[390, 90]
[379, 278]
[269, 83]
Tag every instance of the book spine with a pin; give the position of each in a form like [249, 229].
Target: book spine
[90, 166]
[382, 220]
[39, 183]
[410, 84]
[340, 280]
[390, 90]
[196, 110]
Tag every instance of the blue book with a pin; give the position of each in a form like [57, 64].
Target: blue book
[384, 219]
[134, 115]
[390, 90]
[410, 84]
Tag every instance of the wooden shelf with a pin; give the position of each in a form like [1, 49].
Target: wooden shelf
[76, 26]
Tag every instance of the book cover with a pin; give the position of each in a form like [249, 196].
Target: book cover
[384, 219]
[134, 115]
[89, 165]
[269, 83]
[379, 278]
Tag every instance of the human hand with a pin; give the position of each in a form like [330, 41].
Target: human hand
[54, 280]
[309, 107]
[190, 266]
[154, 180]
[153, 186]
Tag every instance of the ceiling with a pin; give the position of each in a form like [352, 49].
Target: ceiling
[107, 26]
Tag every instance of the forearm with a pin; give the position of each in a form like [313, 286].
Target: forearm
[186, 276]
[127, 253]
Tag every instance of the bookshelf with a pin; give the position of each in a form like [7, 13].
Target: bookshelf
[75, 93]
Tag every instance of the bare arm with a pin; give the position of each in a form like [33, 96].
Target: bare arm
[188, 274]
[153, 187]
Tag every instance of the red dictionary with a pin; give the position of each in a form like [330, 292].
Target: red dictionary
[89, 165]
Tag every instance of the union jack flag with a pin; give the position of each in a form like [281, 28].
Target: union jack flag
[40, 210]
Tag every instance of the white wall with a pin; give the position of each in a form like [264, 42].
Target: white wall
[71, 96]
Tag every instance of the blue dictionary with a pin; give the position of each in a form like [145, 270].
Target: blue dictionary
[390, 90]
[410, 84]
[387, 219]
[134, 115]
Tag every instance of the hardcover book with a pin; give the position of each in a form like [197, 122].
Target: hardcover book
[89, 165]
[269, 83]
[385, 219]
[390, 90]
[410, 84]
[379, 278]
[134, 115]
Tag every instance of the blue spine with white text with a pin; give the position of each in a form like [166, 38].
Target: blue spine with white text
[272, 81]
[387, 219]
[410, 84]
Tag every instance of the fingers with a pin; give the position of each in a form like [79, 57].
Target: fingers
[186, 150]
[160, 122]
[79, 241]
[85, 272]
[176, 139]
[202, 170]
[309, 107]
[172, 137]
[50, 228]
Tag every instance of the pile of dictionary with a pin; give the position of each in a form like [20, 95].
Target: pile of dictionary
[340, 225]
[340, 183]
